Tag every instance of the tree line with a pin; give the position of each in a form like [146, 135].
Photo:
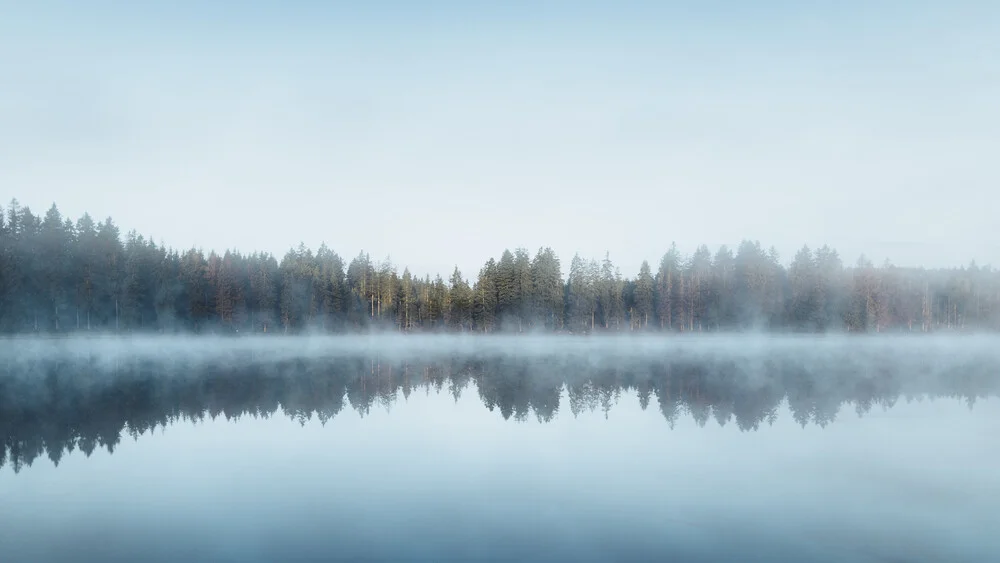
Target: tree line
[54, 407]
[58, 276]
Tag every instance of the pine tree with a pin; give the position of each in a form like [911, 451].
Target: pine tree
[582, 290]
[666, 287]
[831, 293]
[609, 296]
[523, 287]
[409, 301]
[803, 308]
[361, 283]
[484, 304]
[547, 289]
[507, 291]
[644, 295]
[698, 290]
[460, 303]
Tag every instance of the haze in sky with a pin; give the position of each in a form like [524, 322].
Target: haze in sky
[448, 131]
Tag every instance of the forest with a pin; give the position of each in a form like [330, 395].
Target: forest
[57, 276]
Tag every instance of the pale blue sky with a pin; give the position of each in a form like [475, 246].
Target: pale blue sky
[444, 132]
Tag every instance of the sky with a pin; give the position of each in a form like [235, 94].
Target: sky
[439, 133]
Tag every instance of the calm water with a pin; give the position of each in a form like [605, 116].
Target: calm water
[435, 449]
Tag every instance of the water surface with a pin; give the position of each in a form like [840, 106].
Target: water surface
[500, 450]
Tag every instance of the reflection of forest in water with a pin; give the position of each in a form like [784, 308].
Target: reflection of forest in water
[51, 407]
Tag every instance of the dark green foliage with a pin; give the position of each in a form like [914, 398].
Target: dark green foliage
[59, 276]
[485, 298]
[642, 298]
[460, 303]
[547, 290]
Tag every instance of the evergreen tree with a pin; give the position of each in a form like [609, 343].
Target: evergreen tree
[484, 301]
[264, 276]
[667, 288]
[831, 289]
[803, 310]
[523, 288]
[644, 296]
[438, 302]
[506, 281]
[582, 290]
[698, 289]
[361, 284]
[547, 289]
[460, 303]
[407, 310]
[610, 290]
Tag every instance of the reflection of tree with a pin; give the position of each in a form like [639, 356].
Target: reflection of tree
[55, 407]
[545, 399]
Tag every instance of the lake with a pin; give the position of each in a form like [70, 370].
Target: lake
[438, 448]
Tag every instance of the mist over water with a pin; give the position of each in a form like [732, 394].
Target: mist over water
[810, 350]
[499, 448]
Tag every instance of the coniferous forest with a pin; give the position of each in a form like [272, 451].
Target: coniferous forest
[60, 276]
